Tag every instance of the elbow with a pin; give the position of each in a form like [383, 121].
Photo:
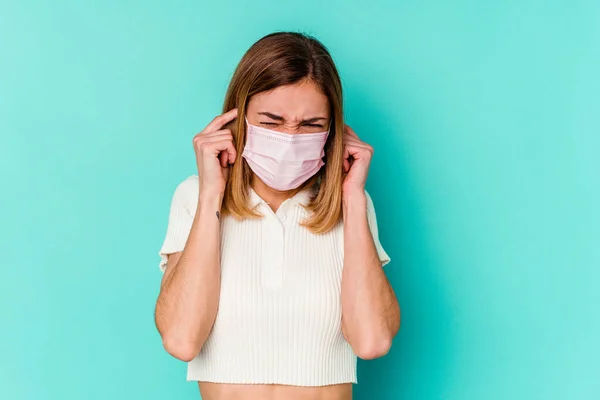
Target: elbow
[378, 342]
[184, 350]
[373, 349]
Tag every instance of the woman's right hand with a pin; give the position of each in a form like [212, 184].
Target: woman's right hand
[214, 152]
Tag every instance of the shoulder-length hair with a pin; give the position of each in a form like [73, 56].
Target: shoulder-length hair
[285, 58]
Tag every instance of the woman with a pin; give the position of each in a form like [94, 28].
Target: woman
[273, 281]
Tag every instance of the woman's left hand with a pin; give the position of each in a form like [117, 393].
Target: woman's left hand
[357, 158]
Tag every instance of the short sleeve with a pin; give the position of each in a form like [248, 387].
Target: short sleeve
[372, 219]
[181, 216]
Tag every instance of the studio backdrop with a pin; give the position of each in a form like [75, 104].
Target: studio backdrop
[485, 119]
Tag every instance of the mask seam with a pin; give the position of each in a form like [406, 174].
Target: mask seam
[294, 140]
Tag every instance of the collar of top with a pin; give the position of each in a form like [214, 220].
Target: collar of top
[301, 198]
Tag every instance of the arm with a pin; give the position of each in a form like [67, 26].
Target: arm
[189, 296]
[370, 311]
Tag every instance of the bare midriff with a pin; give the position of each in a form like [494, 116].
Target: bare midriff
[221, 391]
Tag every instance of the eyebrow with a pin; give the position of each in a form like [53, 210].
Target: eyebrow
[280, 118]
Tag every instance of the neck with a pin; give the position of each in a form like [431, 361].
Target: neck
[273, 197]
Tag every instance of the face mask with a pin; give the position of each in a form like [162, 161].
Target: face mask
[281, 160]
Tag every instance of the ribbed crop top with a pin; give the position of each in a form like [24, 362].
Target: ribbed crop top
[279, 316]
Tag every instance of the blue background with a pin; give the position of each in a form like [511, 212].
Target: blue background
[485, 118]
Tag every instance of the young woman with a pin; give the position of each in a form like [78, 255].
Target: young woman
[273, 281]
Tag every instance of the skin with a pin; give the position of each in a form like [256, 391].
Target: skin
[187, 304]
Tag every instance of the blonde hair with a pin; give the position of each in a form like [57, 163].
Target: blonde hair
[278, 59]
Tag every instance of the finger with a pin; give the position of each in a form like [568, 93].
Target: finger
[346, 153]
[216, 146]
[218, 122]
[351, 150]
[346, 165]
[214, 133]
[359, 152]
[213, 137]
[349, 131]
[201, 138]
[223, 159]
[356, 142]
[359, 147]
[225, 151]
[349, 140]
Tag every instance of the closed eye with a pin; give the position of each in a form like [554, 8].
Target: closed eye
[275, 124]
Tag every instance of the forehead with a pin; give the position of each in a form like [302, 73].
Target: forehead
[292, 101]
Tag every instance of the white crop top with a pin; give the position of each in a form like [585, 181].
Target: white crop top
[279, 316]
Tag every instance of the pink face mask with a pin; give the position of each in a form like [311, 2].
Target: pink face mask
[281, 160]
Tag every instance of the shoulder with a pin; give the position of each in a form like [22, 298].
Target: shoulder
[371, 214]
[186, 192]
[370, 205]
[189, 185]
